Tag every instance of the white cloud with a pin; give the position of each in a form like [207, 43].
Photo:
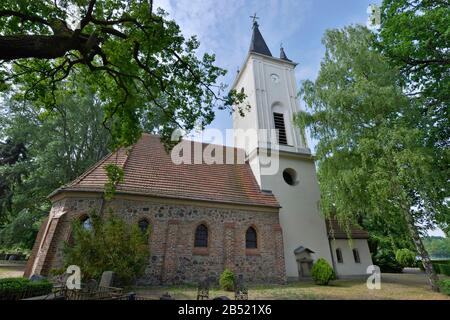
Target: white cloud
[224, 27]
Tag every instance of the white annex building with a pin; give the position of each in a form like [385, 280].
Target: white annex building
[270, 86]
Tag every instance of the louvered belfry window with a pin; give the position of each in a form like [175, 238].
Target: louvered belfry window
[280, 127]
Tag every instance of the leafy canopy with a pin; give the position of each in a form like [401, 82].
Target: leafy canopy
[375, 161]
[415, 36]
[133, 57]
[372, 157]
[54, 148]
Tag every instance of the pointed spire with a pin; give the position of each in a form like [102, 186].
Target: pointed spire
[283, 55]
[258, 44]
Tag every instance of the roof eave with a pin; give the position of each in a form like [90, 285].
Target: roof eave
[249, 54]
[124, 192]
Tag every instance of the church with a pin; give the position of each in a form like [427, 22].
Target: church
[206, 217]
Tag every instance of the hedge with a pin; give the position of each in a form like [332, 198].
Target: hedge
[22, 288]
[444, 285]
[443, 268]
[439, 266]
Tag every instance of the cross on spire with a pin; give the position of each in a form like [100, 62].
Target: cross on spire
[254, 19]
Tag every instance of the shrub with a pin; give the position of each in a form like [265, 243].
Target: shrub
[405, 257]
[444, 268]
[227, 279]
[322, 273]
[110, 245]
[21, 288]
[444, 285]
[387, 262]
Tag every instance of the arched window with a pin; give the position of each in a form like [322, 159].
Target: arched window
[86, 223]
[143, 225]
[251, 241]
[201, 237]
[339, 256]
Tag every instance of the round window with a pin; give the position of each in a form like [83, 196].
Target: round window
[290, 177]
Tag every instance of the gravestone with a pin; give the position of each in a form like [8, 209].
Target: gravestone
[107, 279]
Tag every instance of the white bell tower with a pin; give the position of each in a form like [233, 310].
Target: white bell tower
[271, 90]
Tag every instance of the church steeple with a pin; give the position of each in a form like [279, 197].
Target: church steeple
[258, 45]
[283, 55]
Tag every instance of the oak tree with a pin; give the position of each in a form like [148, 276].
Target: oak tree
[135, 58]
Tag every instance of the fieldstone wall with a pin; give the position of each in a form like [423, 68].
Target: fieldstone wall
[173, 258]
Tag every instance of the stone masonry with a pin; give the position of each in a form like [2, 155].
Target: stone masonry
[173, 258]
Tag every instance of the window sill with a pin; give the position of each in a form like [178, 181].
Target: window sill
[200, 251]
[252, 252]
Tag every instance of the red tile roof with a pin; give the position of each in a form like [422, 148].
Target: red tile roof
[149, 170]
[335, 231]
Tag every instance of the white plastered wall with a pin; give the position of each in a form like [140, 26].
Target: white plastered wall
[349, 267]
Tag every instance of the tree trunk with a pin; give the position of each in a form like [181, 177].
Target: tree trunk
[426, 261]
[36, 46]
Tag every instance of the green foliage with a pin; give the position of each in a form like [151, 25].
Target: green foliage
[414, 35]
[115, 175]
[61, 144]
[111, 245]
[374, 162]
[405, 257]
[21, 288]
[227, 280]
[444, 285]
[387, 262]
[437, 264]
[442, 267]
[438, 247]
[322, 273]
[21, 231]
[131, 54]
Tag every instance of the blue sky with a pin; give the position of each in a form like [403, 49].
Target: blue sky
[224, 28]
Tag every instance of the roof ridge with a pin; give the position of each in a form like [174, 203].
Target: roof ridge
[202, 142]
[90, 169]
[98, 164]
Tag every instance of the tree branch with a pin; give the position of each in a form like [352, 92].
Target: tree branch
[24, 16]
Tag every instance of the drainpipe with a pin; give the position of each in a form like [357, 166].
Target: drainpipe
[332, 258]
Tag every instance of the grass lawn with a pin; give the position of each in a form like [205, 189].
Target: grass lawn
[11, 271]
[393, 286]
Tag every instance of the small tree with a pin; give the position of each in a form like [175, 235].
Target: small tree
[111, 244]
[322, 273]
[227, 279]
[405, 257]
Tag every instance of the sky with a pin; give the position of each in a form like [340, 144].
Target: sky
[225, 28]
